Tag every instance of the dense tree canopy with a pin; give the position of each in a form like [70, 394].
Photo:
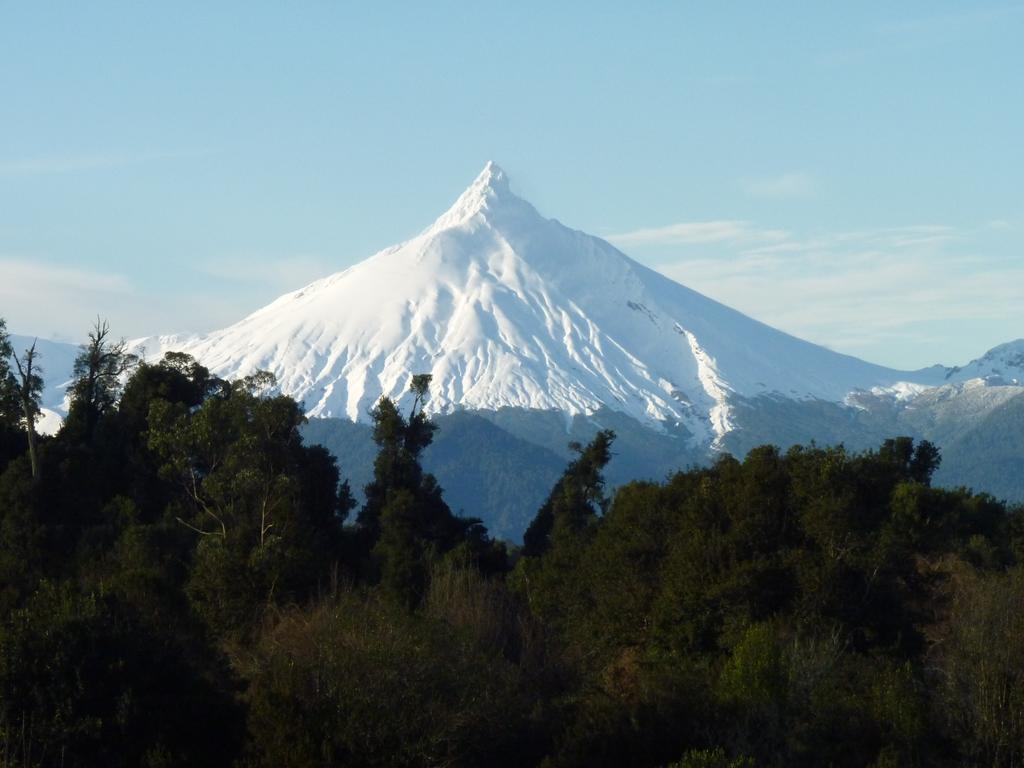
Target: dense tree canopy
[180, 584]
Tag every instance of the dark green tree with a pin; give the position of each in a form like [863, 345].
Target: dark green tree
[84, 682]
[914, 463]
[99, 371]
[405, 522]
[577, 498]
[9, 405]
[11, 433]
[356, 680]
[29, 387]
[400, 442]
[551, 575]
[267, 510]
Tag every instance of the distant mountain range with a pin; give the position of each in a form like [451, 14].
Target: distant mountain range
[536, 334]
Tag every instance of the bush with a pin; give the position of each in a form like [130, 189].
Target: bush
[358, 680]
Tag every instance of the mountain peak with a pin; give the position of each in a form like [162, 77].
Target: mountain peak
[489, 192]
[506, 308]
[1000, 365]
[492, 177]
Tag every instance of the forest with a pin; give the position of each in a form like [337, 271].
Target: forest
[185, 582]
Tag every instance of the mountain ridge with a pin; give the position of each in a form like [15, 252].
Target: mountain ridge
[537, 334]
[506, 308]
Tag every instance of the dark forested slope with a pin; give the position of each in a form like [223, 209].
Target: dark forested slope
[185, 581]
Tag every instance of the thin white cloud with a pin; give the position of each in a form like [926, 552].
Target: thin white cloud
[942, 26]
[1000, 225]
[866, 292]
[787, 185]
[56, 164]
[22, 277]
[281, 273]
[902, 237]
[699, 232]
[60, 302]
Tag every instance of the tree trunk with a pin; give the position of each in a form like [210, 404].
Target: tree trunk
[30, 386]
[33, 448]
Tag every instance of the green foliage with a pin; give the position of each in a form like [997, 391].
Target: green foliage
[266, 510]
[756, 677]
[550, 573]
[178, 587]
[982, 664]
[916, 463]
[575, 501]
[400, 442]
[711, 758]
[23, 546]
[9, 405]
[401, 550]
[26, 391]
[81, 680]
[359, 681]
[98, 371]
[802, 584]
[405, 522]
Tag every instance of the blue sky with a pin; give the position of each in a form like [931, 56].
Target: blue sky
[850, 173]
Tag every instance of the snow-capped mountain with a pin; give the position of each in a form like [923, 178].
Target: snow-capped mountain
[1000, 365]
[56, 362]
[507, 308]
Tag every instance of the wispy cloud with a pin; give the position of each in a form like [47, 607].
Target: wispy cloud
[34, 280]
[61, 302]
[697, 232]
[1000, 225]
[940, 26]
[58, 301]
[281, 273]
[902, 237]
[794, 184]
[872, 292]
[56, 164]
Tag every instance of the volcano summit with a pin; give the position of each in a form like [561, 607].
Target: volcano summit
[506, 308]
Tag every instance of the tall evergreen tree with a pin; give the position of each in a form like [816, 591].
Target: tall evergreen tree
[11, 440]
[405, 521]
[99, 371]
[400, 443]
[29, 387]
[554, 547]
[576, 499]
[9, 405]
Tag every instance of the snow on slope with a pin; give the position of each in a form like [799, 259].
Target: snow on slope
[1002, 365]
[507, 308]
[56, 361]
